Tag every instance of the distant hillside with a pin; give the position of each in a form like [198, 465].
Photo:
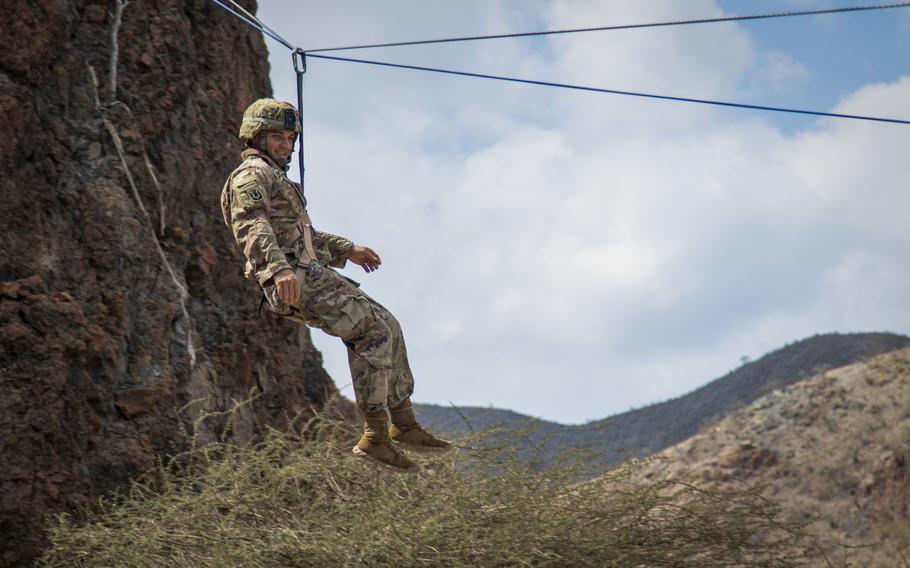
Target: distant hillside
[656, 427]
[834, 449]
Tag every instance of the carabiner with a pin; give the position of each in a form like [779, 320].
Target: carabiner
[301, 67]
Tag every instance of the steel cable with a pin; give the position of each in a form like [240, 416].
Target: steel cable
[253, 21]
[626, 26]
[256, 23]
[261, 24]
[609, 91]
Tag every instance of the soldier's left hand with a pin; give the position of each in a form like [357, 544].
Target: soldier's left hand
[365, 257]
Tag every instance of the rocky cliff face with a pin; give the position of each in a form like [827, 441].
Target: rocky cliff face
[121, 293]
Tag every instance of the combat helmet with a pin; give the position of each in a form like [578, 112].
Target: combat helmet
[268, 114]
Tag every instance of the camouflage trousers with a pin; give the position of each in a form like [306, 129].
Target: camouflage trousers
[377, 355]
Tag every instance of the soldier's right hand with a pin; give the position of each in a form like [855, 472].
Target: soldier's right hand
[288, 287]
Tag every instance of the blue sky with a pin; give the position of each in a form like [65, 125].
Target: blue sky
[839, 53]
[571, 255]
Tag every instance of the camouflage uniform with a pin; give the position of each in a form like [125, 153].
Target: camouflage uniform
[268, 216]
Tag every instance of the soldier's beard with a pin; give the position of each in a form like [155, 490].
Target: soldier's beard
[284, 163]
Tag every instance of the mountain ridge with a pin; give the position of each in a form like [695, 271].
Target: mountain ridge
[650, 429]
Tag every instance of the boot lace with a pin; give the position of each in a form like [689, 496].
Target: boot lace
[399, 454]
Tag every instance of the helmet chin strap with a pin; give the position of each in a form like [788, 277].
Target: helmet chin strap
[287, 165]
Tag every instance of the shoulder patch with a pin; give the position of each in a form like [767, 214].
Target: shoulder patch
[252, 189]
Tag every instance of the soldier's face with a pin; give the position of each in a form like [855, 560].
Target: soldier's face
[279, 144]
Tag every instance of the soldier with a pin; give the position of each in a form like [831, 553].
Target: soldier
[294, 264]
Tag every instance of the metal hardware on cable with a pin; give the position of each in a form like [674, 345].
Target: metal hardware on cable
[298, 56]
[627, 26]
[608, 91]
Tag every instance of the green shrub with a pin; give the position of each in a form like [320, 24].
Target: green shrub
[301, 499]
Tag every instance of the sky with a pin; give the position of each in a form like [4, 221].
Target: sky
[572, 255]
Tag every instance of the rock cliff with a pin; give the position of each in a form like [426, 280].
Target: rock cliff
[121, 293]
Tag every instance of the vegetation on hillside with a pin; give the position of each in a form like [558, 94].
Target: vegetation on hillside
[300, 499]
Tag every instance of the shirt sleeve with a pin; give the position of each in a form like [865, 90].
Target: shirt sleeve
[250, 199]
[339, 247]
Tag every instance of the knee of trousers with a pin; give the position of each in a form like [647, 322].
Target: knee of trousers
[373, 343]
[386, 316]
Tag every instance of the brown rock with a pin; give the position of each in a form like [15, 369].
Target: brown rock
[95, 13]
[138, 401]
[15, 335]
[95, 349]
[885, 490]
[746, 457]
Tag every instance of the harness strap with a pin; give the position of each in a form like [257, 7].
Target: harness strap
[308, 241]
[305, 225]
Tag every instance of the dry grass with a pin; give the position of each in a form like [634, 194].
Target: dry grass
[300, 499]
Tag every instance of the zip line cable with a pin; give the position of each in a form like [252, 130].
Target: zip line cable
[261, 23]
[625, 27]
[608, 91]
[253, 21]
[256, 23]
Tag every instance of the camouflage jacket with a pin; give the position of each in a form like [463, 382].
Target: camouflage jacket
[267, 214]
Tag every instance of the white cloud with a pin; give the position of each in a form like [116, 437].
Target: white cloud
[781, 72]
[571, 255]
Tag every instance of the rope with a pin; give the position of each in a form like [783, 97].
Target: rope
[626, 27]
[608, 91]
[298, 57]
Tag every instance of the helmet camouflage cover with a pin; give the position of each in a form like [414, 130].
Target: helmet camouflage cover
[269, 114]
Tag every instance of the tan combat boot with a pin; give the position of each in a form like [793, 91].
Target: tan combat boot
[410, 435]
[375, 445]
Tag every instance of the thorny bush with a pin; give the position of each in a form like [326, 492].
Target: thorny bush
[299, 498]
